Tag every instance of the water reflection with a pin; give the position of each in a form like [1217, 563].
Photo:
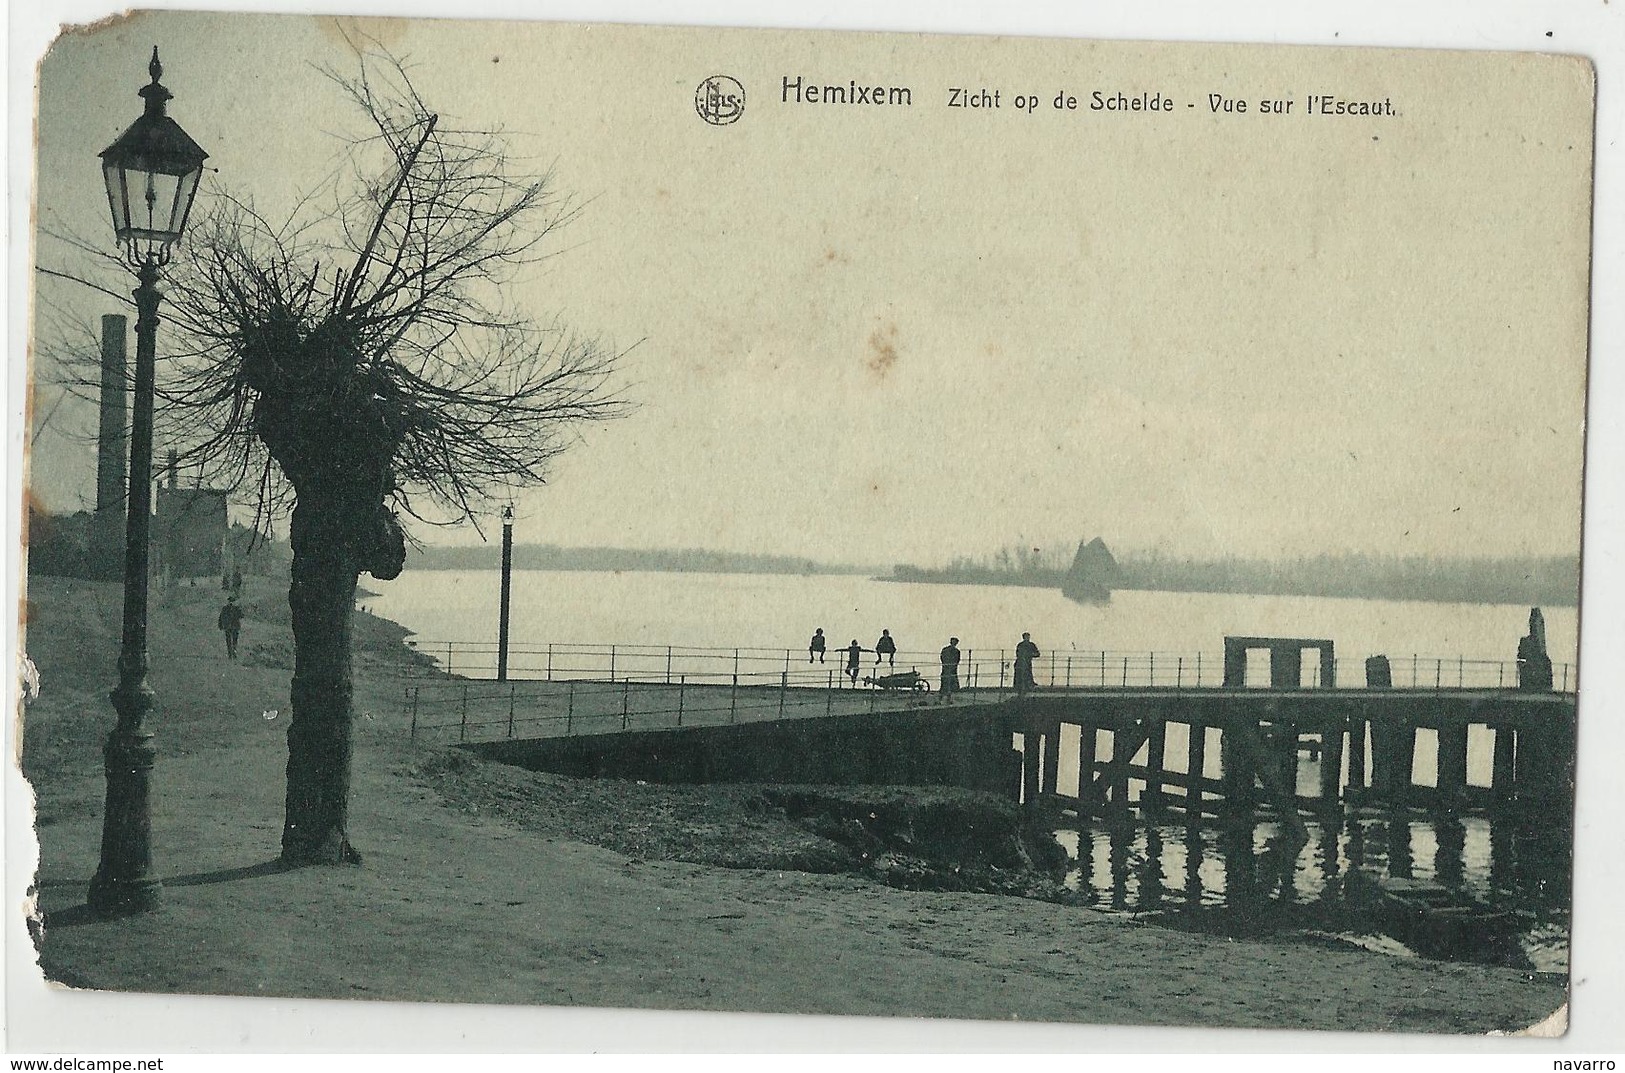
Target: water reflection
[1450, 837]
[1251, 877]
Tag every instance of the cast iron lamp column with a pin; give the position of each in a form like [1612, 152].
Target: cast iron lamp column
[507, 592]
[161, 165]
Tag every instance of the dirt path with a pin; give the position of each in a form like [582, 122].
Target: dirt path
[454, 906]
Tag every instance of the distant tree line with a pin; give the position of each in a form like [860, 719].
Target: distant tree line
[1549, 580]
[682, 560]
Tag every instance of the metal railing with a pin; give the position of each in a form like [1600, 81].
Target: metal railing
[979, 668]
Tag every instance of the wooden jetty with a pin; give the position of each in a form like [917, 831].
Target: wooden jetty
[1366, 739]
[1225, 751]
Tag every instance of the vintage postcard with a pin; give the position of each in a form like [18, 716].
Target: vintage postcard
[790, 522]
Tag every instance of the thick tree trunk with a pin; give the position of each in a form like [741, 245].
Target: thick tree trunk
[319, 738]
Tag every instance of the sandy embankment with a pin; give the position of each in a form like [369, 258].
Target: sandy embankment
[456, 903]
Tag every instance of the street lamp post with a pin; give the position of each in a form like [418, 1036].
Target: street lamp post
[507, 592]
[151, 173]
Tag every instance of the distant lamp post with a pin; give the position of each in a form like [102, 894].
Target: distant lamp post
[507, 592]
[152, 173]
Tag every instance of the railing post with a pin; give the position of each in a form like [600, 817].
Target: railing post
[1438, 671]
[682, 686]
[1052, 675]
[668, 664]
[1413, 670]
[829, 693]
[1198, 670]
[1125, 672]
[612, 663]
[1152, 658]
[1069, 672]
[626, 702]
[1501, 675]
[570, 710]
[448, 659]
[1565, 677]
[550, 661]
[784, 687]
[1179, 672]
[462, 732]
[733, 696]
[736, 667]
[1461, 672]
[1102, 669]
[510, 709]
[414, 736]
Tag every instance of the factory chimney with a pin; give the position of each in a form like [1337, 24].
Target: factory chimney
[106, 551]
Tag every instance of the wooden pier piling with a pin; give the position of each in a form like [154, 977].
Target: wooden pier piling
[1502, 765]
[1357, 753]
[1088, 802]
[1052, 757]
[1156, 763]
[1031, 743]
[1125, 743]
[1331, 765]
[1393, 749]
[1238, 769]
[1452, 767]
[1196, 760]
[1286, 755]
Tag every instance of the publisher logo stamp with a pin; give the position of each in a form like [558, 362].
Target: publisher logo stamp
[720, 100]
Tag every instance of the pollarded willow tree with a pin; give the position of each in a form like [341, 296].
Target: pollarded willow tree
[360, 361]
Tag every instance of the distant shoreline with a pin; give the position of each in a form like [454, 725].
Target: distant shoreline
[1553, 582]
[1536, 601]
[1534, 581]
[624, 560]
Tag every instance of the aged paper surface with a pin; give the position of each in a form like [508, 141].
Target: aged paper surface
[881, 299]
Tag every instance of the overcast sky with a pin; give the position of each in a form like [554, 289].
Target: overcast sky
[902, 334]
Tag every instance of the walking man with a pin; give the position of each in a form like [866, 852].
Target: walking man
[230, 621]
[1026, 652]
[886, 649]
[950, 670]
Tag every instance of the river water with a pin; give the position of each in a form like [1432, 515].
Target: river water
[774, 611]
[1252, 877]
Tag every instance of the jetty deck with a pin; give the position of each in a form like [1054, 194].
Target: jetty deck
[1159, 750]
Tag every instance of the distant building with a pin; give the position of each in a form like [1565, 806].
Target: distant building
[1094, 574]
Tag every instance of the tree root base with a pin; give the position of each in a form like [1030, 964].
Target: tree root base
[302, 856]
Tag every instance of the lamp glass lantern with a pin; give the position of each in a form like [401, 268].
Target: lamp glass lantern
[152, 174]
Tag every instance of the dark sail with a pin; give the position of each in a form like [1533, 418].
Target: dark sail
[1093, 575]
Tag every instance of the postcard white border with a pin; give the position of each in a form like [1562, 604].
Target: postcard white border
[39, 1020]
